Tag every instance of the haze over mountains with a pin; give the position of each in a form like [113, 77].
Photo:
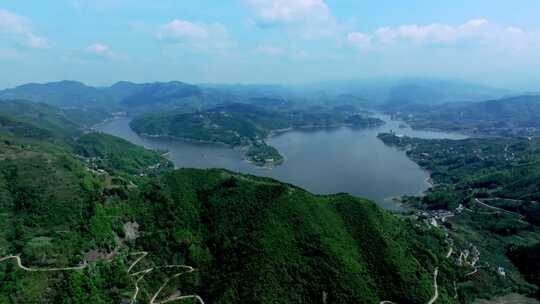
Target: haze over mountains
[166, 94]
[270, 152]
[518, 115]
[70, 196]
[423, 103]
[245, 233]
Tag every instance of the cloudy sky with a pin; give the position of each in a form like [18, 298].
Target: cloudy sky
[495, 42]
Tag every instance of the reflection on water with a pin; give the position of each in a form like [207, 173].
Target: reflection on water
[321, 161]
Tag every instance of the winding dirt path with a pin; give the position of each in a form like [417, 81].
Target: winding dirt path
[472, 272]
[21, 266]
[450, 251]
[436, 295]
[141, 274]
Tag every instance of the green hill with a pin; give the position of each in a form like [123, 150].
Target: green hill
[19, 129]
[160, 93]
[62, 94]
[115, 154]
[122, 95]
[490, 187]
[41, 115]
[260, 241]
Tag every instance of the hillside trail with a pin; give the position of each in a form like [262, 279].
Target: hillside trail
[141, 274]
[435, 286]
[498, 209]
[21, 266]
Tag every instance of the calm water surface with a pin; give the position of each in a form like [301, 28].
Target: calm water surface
[321, 161]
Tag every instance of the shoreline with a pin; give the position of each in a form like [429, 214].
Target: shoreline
[392, 202]
[244, 148]
[241, 148]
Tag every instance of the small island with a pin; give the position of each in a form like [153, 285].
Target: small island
[245, 126]
[262, 154]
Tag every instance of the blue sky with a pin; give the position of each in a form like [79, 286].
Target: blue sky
[494, 42]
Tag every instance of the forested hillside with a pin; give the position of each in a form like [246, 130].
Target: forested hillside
[40, 114]
[61, 94]
[84, 227]
[90, 218]
[486, 193]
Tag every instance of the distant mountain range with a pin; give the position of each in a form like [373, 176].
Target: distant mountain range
[397, 91]
[118, 96]
[68, 196]
[440, 104]
[174, 94]
[512, 115]
[40, 115]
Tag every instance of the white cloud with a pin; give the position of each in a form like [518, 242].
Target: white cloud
[474, 33]
[434, 33]
[303, 19]
[20, 28]
[274, 12]
[100, 51]
[359, 40]
[195, 35]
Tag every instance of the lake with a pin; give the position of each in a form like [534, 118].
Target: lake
[321, 161]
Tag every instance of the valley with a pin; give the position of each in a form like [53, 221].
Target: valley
[245, 126]
[358, 172]
[269, 152]
[259, 202]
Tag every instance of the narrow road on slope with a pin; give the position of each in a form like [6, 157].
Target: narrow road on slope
[20, 265]
[450, 251]
[498, 209]
[141, 274]
[436, 295]
[475, 270]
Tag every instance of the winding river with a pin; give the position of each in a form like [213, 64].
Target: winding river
[321, 161]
